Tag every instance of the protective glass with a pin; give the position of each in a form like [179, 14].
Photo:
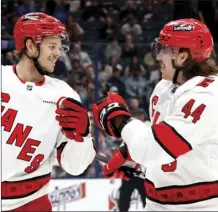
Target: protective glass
[156, 47]
[65, 43]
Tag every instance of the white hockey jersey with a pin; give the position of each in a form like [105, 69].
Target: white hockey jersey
[31, 138]
[160, 96]
[180, 150]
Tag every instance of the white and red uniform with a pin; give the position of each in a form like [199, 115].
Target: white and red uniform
[180, 150]
[31, 138]
[160, 96]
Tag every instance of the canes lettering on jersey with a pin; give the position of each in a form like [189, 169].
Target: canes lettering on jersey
[19, 136]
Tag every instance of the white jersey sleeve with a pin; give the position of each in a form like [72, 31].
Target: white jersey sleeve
[74, 156]
[188, 122]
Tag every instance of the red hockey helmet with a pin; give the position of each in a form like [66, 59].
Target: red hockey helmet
[188, 33]
[36, 25]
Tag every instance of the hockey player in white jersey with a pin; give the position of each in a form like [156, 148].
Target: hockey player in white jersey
[42, 120]
[180, 149]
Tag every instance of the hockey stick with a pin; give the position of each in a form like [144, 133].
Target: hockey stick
[128, 164]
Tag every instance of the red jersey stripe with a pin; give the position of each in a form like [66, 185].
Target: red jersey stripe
[170, 140]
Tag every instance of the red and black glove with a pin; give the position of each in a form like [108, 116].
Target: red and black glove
[114, 167]
[73, 118]
[108, 108]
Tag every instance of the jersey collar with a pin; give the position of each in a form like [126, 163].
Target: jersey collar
[37, 84]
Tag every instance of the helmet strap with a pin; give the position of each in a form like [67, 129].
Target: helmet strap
[176, 74]
[36, 63]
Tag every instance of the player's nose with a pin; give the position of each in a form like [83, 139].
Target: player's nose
[57, 53]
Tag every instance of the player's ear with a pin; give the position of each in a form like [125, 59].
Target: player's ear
[181, 58]
[31, 47]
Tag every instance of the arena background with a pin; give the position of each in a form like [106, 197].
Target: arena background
[110, 51]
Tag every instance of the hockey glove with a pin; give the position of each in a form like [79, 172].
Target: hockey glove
[73, 118]
[114, 167]
[108, 108]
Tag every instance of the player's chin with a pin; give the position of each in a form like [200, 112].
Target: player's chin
[50, 69]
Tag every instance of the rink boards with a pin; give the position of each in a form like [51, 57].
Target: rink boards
[89, 195]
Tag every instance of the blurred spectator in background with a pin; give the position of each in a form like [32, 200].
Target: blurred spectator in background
[10, 59]
[7, 25]
[133, 104]
[163, 10]
[113, 49]
[8, 8]
[127, 10]
[113, 89]
[152, 73]
[91, 94]
[135, 65]
[140, 114]
[131, 27]
[77, 73]
[67, 61]
[75, 31]
[115, 83]
[61, 10]
[27, 6]
[136, 84]
[215, 6]
[112, 62]
[50, 7]
[82, 67]
[109, 30]
[76, 52]
[58, 9]
[83, 93]
[128, 49]
[94, 10]
[144, 10]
